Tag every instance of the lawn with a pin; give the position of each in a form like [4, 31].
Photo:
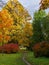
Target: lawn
[11, 59]
[37, 61]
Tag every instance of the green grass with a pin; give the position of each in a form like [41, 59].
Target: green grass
[11, 59]
[37, 61]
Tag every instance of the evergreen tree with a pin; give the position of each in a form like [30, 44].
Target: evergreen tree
[37, 26]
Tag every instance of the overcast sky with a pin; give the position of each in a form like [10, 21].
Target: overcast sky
[30, 5]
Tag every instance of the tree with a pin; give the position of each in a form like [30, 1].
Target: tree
[6, 23]
[19, 15]
[37, 26]
[44, 4]
[17, 11]
[22, 35]
[45, 27]
[27, 34]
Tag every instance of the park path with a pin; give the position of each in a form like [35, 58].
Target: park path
[24, 58]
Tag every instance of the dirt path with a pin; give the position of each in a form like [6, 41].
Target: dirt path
[23, 58]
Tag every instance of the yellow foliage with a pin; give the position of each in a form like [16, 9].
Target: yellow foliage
[5, 25]
[14, 23]
[44, 4]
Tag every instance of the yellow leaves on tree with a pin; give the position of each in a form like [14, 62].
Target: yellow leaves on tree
[26, 34]
[17, 11]
[6, 23]
[44, 4]
[5, 19]
[28, 29]
[20, 17]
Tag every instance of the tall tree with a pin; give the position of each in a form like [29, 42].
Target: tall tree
[45, 27]
[45, 5]
[37, 27]
[20, 16]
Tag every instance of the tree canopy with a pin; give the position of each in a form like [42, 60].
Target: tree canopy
[44, 4]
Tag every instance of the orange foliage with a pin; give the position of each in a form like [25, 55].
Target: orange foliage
[6, 22]
[44, 4]
[7, 37]
[41, 49]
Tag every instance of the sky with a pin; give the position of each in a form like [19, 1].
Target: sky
[30, 5]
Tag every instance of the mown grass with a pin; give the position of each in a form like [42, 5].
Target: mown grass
[11, 59]
[37, 61]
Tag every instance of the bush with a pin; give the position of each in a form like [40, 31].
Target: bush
[9, 48]
[1, 49]
[41, 49]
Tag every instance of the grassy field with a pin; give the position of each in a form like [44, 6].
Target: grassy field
[11, 59]
[37, 61]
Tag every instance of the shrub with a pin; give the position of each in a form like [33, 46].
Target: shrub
[41, 49]
[9, 48]
[0, 49]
